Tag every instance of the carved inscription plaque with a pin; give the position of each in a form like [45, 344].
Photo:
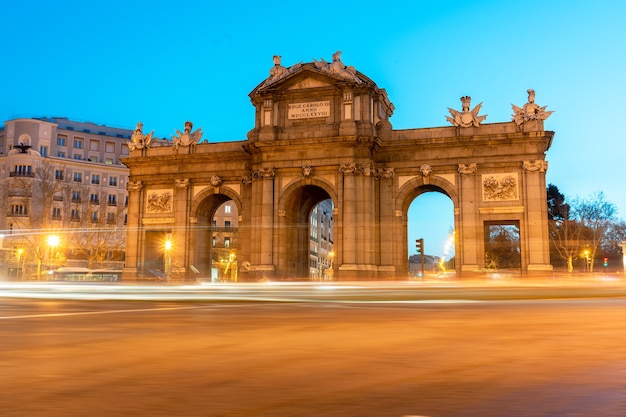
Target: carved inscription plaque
[309, 110]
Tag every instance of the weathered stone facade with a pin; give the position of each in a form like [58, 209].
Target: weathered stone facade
[322, 131]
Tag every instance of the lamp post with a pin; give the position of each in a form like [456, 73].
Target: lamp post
[53, 242]
[168, 258]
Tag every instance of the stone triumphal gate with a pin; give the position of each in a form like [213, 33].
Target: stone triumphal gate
[322, 131]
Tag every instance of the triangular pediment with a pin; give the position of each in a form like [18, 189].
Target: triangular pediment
[309, 82]
[308, 76]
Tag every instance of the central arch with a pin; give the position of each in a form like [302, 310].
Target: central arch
[294, 225]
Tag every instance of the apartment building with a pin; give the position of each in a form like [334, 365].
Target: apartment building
[321, 254]
[63, 197]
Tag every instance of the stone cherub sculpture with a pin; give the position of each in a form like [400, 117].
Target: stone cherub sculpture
[466, 118]
[138, 140]
[187, 138]
[530, 110]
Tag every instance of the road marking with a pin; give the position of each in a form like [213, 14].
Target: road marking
[85, 313]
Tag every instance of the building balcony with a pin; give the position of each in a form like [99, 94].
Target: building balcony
[17, 215]
[22, 174]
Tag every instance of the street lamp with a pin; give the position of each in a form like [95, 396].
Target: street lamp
[586, 253]
[168, 258]
[53, 242]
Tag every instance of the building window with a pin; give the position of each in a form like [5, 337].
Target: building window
[227, 224]
[126, 201]
[113, 181]
[108, 161]
[112, 200]
[125, 150]
[94, 199]
[227, 242]
[19, 210]
[61, 154]
[56, 213]
[75, 196]
[58, 174]
[61, 140]
[94, 145]
[95, 179]
[110, 147]
[227, 208]
[125, 219]
[110, 218]
[78, 157]
[75, 215]
[22, 171]
[43, 150]
[92, 158]
[94, 217]
[78, 143]
[78, 177]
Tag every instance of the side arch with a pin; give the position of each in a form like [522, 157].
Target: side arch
[406, 195]
[417, 186]
[202, 209]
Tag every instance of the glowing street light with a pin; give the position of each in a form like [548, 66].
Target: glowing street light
[53, 242]
[168, 258]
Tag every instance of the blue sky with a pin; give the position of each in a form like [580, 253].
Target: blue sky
[119, 62]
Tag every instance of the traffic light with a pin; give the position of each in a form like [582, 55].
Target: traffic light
[606, 261]
[419, 244]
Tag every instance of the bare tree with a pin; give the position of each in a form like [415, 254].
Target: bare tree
[596, 215]
[38, 192]
[99, 234]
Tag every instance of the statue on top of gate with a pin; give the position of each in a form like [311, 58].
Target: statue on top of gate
[187, 138]
[530, 110]
[465, 117]
[138, 140]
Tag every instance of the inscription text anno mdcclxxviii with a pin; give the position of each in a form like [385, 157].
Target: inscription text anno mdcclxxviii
[308, 110]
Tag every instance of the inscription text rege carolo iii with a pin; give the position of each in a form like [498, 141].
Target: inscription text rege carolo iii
[307, 110]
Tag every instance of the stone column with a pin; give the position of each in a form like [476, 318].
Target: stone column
[133, 230]
[390, 264]
[181, 233]
[469, 193]
[266, 220]
[349, 215]
[536, 216]
[348, 125]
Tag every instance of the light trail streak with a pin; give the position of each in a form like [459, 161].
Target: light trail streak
[86, 313]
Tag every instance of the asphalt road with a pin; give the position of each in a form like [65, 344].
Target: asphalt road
[434, 357]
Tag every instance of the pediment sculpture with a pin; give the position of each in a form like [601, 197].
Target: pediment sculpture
[337, 67]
